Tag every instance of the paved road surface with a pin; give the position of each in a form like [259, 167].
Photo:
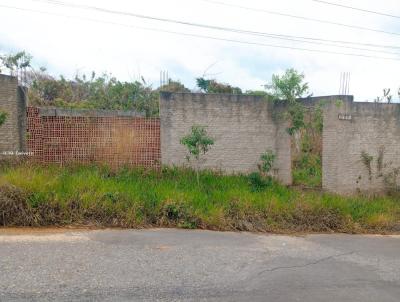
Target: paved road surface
[179, 265]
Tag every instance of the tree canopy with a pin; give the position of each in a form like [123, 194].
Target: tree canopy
[212, 86]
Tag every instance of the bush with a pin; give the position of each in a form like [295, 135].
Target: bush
[259, 182]
[267, 161]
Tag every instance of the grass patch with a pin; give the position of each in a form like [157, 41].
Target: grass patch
[307, 170]
[32, 195]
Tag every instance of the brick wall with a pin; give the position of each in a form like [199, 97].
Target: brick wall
[350, 129]
[12, 101]
[243, 127]
[85, 136]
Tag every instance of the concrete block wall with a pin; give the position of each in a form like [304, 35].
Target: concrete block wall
[243, 127]
[12, 101]
[351, 128]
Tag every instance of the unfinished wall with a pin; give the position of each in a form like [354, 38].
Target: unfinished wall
[115, 138]
[351, 128]
[12, 101]
[243, 127]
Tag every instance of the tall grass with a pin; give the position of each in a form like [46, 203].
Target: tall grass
[36, 195]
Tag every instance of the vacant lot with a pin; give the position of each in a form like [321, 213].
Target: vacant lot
[33, 195]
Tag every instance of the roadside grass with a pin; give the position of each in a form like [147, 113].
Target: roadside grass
[34, 195]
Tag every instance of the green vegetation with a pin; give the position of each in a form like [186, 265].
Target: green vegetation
[94, 92]
[306, 125]
[307, 160]
[367, 159]
[97, 91]
[38, 196]
[3, 117]
[384, 170]
[174, 86]
[16, 63]
[267, 161]
[197, 142]
[212, 86]
[263, 179]
[288, 86]
[287, 89]
[307, 170]
[100, 92]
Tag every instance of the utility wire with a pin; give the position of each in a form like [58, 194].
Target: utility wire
[337, 41]
[259, 10]
[358, 9]
[240, 31]
[206, 36]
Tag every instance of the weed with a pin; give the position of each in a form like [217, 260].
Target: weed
[267, 161]
[367, 159]
[32, 195]
[379, 162]
[258, 182]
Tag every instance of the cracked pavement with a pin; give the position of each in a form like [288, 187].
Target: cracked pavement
[183, 265]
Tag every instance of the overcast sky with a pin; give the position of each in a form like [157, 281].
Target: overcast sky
[65, 41]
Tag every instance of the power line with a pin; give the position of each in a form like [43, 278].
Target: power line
[207, 37]
[338, 41]
[240, 31]
[259, 10]
[358, 9]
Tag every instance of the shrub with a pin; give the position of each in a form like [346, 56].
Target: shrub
[267, 161]
[259, 182]
[197, 142]
[262, 179]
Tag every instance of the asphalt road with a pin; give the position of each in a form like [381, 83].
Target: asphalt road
[179, 265]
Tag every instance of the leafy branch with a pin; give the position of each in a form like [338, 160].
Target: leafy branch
[287, 89]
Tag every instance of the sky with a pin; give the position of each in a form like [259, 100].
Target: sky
[68, 39]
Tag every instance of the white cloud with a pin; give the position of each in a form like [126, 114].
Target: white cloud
[66, 45]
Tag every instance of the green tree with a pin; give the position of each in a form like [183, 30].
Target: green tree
[14, 62]
[17, 64]
[289, 86]
[287, 89]
[197, 143]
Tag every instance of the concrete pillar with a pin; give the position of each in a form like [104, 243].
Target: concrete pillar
[13, 103]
